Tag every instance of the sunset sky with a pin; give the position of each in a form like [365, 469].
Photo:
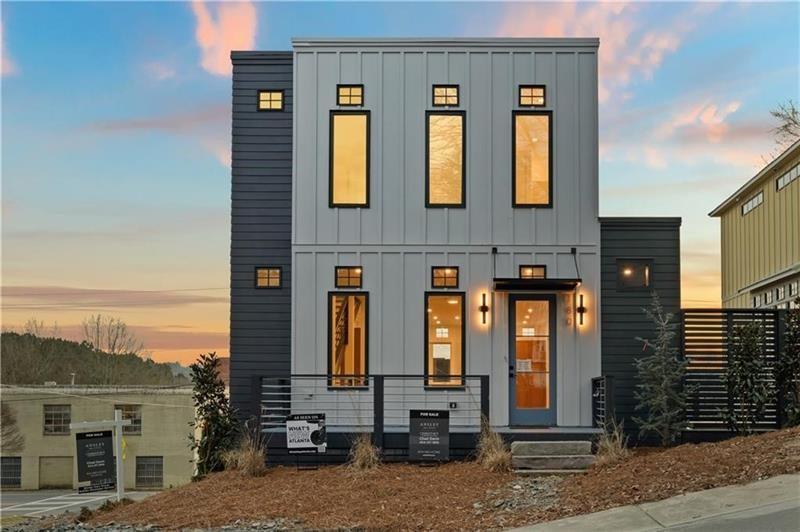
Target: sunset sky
[116, 136]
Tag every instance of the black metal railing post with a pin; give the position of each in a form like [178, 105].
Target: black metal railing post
[255, 398]
[485, 397]
[780, 331]
[377, 411]
[610, 405]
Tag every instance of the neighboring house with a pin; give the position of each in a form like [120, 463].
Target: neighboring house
[157, 454]
[427, 210]
[760, 237]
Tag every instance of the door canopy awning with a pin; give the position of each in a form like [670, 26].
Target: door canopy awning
[514, 284]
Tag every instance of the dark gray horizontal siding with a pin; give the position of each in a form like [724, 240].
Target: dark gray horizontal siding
[261, 224]
[623, 317]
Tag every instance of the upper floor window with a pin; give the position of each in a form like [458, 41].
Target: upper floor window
[793, 287]
[349, 159]
[788, 177]
[768, 297]
[532, 272]
[531, 95]
[269, 277]
[350, 95]
[444, 277]
[752, 203]
[348, 276]
[634, 273]
[532, 171]
[57, 419]
[445, 159]
[134, 413]
[445, 95]
[270, 100]
[780, 292]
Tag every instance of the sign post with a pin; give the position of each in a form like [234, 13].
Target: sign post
[93, 451]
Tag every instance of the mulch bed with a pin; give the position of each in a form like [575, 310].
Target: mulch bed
[458, 495]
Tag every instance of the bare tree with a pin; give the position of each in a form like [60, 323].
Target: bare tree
[11, 440]
[787, 132]
[110, 335]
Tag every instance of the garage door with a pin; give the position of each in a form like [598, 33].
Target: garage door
[55, 472]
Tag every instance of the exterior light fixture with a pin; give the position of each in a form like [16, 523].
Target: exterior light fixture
[484, 308]
[627, 272]
[581, 309]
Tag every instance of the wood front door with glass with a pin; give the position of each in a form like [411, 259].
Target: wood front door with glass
[532, 360]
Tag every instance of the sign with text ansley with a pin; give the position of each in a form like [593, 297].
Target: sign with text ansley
[429, 435]
[305, 433]
[96, 467]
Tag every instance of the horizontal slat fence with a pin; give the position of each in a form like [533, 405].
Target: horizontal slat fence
[707, 335]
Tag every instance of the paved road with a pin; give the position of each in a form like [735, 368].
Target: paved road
[48, 502]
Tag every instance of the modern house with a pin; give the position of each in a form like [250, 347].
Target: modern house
[415, 224]
[760, 229]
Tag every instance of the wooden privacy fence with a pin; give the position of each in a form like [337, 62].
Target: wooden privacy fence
[706, 337]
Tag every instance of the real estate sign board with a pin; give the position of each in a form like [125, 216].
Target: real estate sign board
[429, 435]
[95, 461]
[305, 433]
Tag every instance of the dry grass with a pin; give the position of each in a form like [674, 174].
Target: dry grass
[612, 446]
[249, 458]
[492, 451]
[364, 455]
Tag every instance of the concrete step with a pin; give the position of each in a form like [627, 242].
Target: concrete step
[550, 448]
[548, 472]
[576, 461]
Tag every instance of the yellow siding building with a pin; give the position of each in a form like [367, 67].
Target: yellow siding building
[156, 451]
[760, 237]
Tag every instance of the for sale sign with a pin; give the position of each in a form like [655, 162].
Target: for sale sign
[305, 433]
[429, 435]
[95, 461]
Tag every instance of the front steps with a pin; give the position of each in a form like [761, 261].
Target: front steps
[551, 457]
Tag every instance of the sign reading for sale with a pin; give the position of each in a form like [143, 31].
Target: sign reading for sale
[305, 433]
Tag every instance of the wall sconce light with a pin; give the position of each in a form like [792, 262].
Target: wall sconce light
[581, 309]
[484, 308]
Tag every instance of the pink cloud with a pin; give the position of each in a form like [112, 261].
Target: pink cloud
[706, 120]
[233, 28]
[7, 65]
[628, 51]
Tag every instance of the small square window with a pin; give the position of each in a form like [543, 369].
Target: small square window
[10, 472]
[270, 100]
[149, 472]
[531, 95]
[57, 419]
[532, 272]
[134, 413]
[445, 95]
[350, 95]
[444, 277]
[348, 277]
[634, 273]
[269, 277]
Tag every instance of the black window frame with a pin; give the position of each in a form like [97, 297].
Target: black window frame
[445, 86]
[531, 86]
[64, 432]
[137, 472]
[258, 100]
[542, 266]
[135, 428]
[426, 333]
[463, 203]
[335, 112]
[336, 271]
[7, 465]
[280, 277]
[349, 86]
[649, 262]
[760, 196]
[433, 278]
[328, 338]
[531, 112]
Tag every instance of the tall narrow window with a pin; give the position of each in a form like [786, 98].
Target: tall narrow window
[350, 95]
[347, 339]
[444, 339]
[270, 100]
[445, 95]
[349, 159]
[532, 272]
[531, 95]
[445, 159]
[533, 173]
[268, 277]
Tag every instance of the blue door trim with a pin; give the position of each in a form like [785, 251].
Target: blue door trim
[541, 417]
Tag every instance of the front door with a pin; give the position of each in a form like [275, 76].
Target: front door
[532, 363]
